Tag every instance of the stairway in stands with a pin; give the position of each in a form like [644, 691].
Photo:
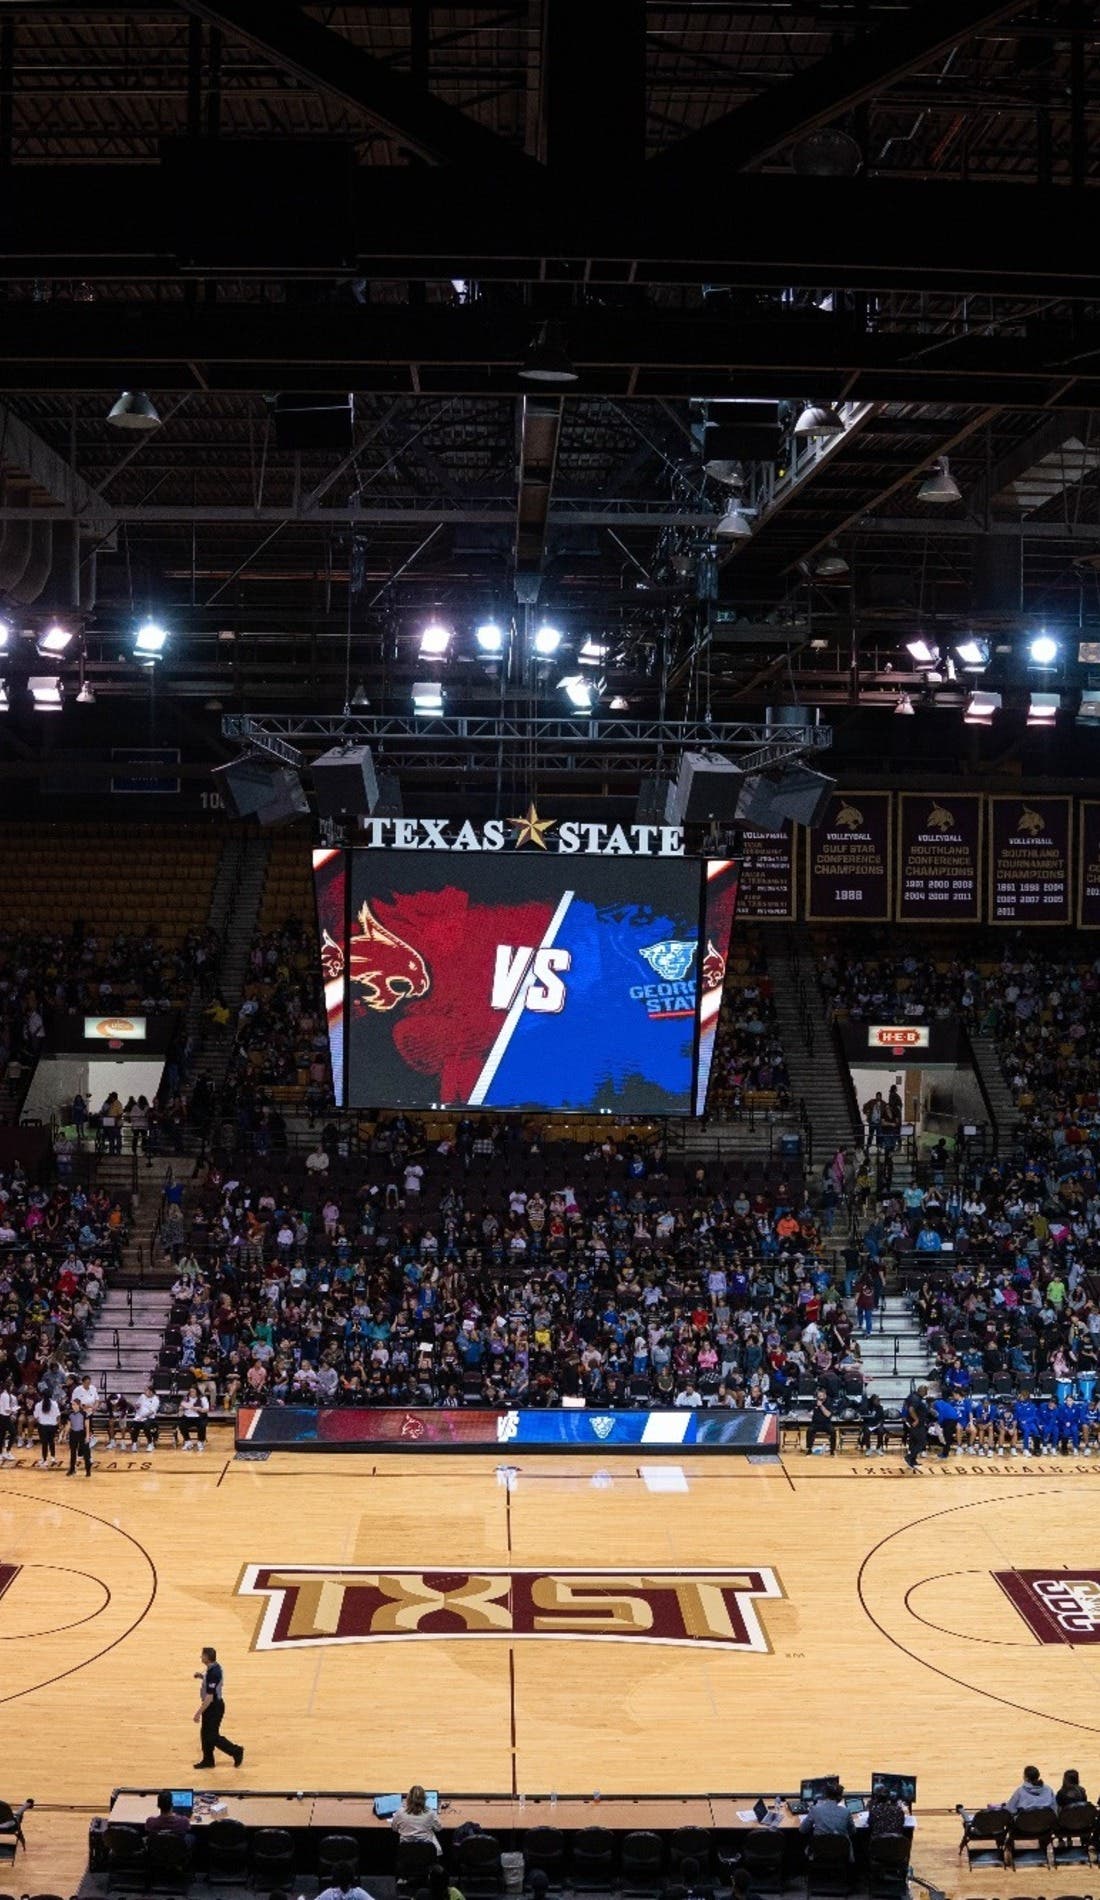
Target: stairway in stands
[238, 897]
[124, 1344]
[1003, 1109]
[813, 1065]
[895, 1358]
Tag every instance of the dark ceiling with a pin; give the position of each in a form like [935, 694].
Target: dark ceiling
[222, 203]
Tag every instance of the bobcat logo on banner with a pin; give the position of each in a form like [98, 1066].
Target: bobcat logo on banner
[319, 1605]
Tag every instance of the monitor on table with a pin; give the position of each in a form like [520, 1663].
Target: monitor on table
[387, 1804]
[899, 1787]
[183, 1800]
[816, 1787]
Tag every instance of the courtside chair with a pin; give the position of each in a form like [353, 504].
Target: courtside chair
[168, 1862]
[477, 1866]
[544, 1851]
[830, 1868]
[888, 1866]
[272, 1858]
[985, 1838]
[763, 1857]
[336, 1850]
[11, 1830]
[641, 1866]
[593, 1860]
[413, 1861]
[226, 1845]
[690, 1843]
[1074, 1835]
[1029, 1838]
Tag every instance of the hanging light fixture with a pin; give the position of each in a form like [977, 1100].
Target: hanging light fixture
[134, 410]
[819, 418]
[832, 565]
[735, 524]
[905, 706]
[546, 360]
[940, 486]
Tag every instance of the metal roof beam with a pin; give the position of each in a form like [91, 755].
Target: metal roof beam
[857, 71]
[407, 112]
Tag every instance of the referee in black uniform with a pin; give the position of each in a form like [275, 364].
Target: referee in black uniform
[916, 1418]
[211, 1712]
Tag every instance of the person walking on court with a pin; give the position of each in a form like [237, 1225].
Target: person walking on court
[210, 1713]
[47, 1417]
[80, 1427]
[915, 1417]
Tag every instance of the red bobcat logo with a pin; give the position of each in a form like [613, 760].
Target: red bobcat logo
[389, 969]
[714, 968]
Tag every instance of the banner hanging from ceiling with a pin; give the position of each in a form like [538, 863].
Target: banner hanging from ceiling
[939, 858]
[1029, 860]
[848, 860]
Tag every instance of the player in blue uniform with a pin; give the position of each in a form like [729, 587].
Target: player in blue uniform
[946, 1411]
[1007, 1428]
[1025, 1413]
[1072, 1415]
[983, 1421]
[1050, 1427]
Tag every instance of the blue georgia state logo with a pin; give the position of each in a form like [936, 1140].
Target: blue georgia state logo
[669, 960]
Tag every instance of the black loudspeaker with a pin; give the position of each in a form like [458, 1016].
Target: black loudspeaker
[245, 784]
[652, 807]
[310, 423]
[789, 792]
[389, 803]
[345, 782]
[288, 799]
[706, 788]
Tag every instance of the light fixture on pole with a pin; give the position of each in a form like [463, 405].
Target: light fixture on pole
[54, 640]
[46, 692]
[134, 410]
[1043, 650]
[546, 360]
[980, 708]
[5, 635]
[578, 691]
[941, 485]
[360, 698]
[435, 638]
[150, 641]
[1043, 708]
[924, 652]
[819, 419]
[973, 654]
[427, 698]
[547, 640]
[490, 637]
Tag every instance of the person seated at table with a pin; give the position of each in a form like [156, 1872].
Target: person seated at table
[415, 1821]
[828, 1815]
[345, 1885]
[1032, 1793]
[166, 1820]
[885, 1814]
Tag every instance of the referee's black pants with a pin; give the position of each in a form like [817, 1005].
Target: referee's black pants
[210, 1729]
[79, 1448]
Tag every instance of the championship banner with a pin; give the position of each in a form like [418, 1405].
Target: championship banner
[767, 875]
[1088, 864]
[848, 861]
[939, 858]
[1029, 860]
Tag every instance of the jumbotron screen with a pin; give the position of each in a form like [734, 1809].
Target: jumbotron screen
[564, 983]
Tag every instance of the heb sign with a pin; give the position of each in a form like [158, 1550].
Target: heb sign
[903, 1036]
[317, 1605]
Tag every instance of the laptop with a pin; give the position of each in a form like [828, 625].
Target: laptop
[387, 1804]
[183, 1801]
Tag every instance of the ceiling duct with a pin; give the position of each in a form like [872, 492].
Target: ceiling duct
[36, 571]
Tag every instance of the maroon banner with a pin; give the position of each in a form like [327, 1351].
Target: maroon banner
[848, 860]
[1029, 860]
[767, 875]
[939, 858]
[1088, 864]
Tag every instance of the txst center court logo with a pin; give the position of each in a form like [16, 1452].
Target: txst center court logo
[1063, 1609]
[321, 1605]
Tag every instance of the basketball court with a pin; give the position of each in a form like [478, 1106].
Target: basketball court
[553, 1624]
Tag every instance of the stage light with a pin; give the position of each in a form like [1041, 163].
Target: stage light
[3, 695]
[546, 360]
[46, 692]
[427, 698]
[577, 691]
[5, 635]
[86, 695]
[904, 706]
[1043, 709]
[547, 640]
[924, 652]
[973, 654]
[150, 640]
[134, 410]
[1043, 650]
[490, 637]
[434, 640]
[980, 708]
[819, 419]
[1088, 712]
[618, 704]
[54, 640]
[940, 486]
[360, 698]
[592, 653]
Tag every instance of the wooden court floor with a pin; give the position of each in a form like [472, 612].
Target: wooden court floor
[764, 1623]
